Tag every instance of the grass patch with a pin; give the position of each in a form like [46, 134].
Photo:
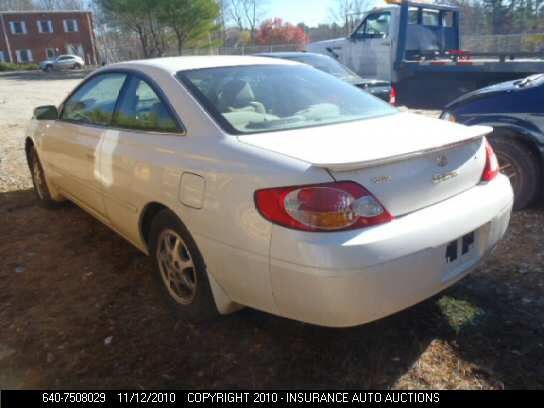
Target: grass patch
[8, 66]
[460, 313]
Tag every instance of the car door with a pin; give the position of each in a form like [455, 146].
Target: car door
[370, 52]
[131, 155]
[64, 62]
[72, 142]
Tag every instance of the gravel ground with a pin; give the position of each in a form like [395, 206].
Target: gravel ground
[78, 307]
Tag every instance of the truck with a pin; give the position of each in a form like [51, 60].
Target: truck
[416, 47]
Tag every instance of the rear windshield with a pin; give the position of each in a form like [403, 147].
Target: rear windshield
[264, 98]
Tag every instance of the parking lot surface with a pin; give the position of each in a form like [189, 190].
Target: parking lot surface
[78, 306]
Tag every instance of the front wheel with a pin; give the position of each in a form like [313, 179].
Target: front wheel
[41, 189]
[76, 66]
[519, 164]
[180, 269]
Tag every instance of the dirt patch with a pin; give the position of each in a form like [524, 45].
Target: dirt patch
[78, 308]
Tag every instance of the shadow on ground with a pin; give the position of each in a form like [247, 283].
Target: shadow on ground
[78, 308]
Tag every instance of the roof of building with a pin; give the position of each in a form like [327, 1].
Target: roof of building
[45, 11]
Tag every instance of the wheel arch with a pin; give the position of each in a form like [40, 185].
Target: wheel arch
[224, 303]
[524, 137]
[149, 212]
[29, 145]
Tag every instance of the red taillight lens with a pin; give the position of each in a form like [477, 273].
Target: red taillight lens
[321, 207]
[393, 96]
[491, 168]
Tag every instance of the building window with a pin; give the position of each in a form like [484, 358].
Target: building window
[49, 53]
[17, 27]
[24, 56]
[70, 26]
[45, 26]
[2, 57]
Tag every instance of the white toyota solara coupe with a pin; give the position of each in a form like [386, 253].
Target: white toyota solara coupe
[267, 183]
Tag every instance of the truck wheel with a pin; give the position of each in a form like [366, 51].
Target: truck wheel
[520, 165]
[180, 269]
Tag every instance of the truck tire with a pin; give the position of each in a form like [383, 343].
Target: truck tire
[180, 269]
[521, 166]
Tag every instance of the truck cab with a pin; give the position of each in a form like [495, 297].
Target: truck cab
[416, 47]
[390, 34]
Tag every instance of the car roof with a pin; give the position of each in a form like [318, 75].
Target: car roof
[175, 64]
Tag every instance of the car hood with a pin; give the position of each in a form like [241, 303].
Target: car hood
[366, 142]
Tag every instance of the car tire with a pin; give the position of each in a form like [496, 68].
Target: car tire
[48, 68]
[41, 190]
[76, 66]
[180, 269]
[522, 167]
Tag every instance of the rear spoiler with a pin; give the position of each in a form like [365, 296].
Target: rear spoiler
[401, 157]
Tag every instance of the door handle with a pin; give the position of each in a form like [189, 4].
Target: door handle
[90, 156]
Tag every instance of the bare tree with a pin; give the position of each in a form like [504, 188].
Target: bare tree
[60, 4]
[246, 14]
[16, 5]
[347, 12]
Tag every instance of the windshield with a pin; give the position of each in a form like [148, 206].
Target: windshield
[261, 98]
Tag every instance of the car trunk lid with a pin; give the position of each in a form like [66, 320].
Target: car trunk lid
[407, 161]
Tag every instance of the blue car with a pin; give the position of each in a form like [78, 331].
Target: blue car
[515, 110]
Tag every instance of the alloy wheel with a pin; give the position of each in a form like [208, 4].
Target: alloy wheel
[38, 179]
[176, 267]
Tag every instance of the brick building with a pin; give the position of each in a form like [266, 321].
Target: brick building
[32, 36]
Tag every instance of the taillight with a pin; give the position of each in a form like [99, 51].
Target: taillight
[393, 96]
[491, 168]
[321, 207]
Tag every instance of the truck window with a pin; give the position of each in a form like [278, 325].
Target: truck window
[375, 26]
[431, 18]
[447, 19]
[412, 15]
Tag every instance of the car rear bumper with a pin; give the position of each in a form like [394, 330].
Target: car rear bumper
[354, 277]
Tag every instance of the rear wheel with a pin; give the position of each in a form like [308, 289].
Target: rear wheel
[180, 269]
[519, 164]
[77, 65]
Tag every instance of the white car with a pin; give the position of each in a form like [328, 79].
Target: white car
[62, 62]
[266, 183]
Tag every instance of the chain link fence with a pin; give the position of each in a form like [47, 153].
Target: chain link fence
[510, 43]
[507, 43]
[118, 54]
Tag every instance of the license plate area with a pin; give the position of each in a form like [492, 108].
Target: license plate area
[460, 255]
[460, 248]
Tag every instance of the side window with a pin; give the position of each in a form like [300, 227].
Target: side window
[374, 26]
[142, 109]
[377, 25]
[94, 102]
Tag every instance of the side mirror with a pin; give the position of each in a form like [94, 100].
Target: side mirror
[47, 112]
